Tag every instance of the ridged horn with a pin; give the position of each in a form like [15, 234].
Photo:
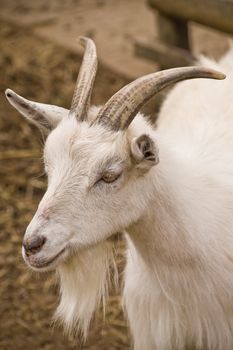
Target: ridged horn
[121, 108]
[85, 81]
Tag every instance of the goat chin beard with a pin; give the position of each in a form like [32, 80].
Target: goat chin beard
[84, 282]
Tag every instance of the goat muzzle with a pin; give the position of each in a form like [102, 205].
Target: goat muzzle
[33, 245]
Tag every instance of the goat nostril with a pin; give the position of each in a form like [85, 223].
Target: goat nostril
[34, 245]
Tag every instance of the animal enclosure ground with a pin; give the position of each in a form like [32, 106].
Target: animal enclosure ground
[39, 70]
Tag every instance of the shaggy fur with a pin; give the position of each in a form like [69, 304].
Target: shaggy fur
[175, 205]
[90, 270]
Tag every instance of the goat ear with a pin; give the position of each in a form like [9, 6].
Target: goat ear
[144, 152]
[45, 117]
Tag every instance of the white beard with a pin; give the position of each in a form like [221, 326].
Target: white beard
[84, 281]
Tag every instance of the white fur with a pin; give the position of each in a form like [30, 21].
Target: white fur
[178, 279]
[178, 214]
[90, 269]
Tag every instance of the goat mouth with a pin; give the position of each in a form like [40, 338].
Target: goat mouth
[39, 264]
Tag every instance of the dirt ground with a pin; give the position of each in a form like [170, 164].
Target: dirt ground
[46, 72]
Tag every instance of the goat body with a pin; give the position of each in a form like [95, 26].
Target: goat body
[178, 281]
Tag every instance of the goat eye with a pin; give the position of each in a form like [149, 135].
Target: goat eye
[109, 177]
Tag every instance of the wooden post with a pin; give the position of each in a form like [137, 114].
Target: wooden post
[172, 31]
[217, 14]
[166, 56]
[172, 47]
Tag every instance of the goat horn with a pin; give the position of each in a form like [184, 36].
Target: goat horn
[121, 108]
[85, 81]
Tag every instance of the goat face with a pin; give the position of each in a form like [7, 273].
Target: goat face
[94, 178]
[97, 183]
[92, 189]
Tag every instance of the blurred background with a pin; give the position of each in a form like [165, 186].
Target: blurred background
[39, 59]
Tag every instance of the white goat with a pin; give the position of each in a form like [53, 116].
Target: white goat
[105, 176]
